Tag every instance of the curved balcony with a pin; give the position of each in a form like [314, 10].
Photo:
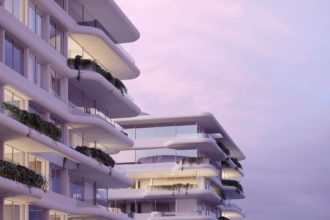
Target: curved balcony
[10, 188]
[76, 208]
[16, 134]
[155, 192]
[105, 15]
[231, 211]
[96, 43]
[103, 131]
[231, 191]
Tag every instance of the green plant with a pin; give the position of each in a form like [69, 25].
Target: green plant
[34, 121]
[78, 63]
[176, 186]
[22, 174]
[234, 183]
[219, 192]
[97, 154]
[236, 162]
[223, 148]
[191, 160]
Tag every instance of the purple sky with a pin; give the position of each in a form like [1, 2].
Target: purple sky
[263, 68]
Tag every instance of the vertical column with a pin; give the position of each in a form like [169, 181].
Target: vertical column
[2, 2]
[45, 27]
[2, 150]
[47, 217]
[65, 44]
[2, 98]
[65, 134]
[26, 63]
[2, 45]
[66, 6]
[66, 182]
[2, 204]
[65, 89]
[45, 77]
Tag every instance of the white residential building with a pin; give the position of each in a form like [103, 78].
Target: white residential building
[184, 166]
[58, 101]
[64, 109]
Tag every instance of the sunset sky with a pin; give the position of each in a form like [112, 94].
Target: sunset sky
[262, 67]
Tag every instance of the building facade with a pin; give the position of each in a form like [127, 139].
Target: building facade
[184, 166]
[61, 72]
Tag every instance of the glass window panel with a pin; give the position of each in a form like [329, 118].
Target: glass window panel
[58, 38]
[8, 153]
[56, 173]
[32, 163]
[145, 133]
[130, 132]
[52, 34]
[18, 157]
[186, 153]
[155, 155]
[76, 188]
[32, 17]
[36, 213]
[166, 131]
[38, 24]
[18, 59]
[9, 6]
[186, 130]
[9, 52]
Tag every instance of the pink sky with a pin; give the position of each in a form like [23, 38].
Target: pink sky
[262, 67]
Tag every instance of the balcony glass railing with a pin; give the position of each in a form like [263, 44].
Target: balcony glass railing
[93, 111]
[169, 131]
[83, 17]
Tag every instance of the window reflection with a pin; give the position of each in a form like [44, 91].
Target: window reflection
[13, 210]
[34, 19]
[16, 8]
[77, 188]
[13, 55]
[163, 131]
[56, 36]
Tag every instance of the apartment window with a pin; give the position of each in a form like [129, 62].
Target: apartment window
[37, 213]
[14, 99]
[56, 216]
[37, 164]
[35, 19]
[56, 36]
[34, 70]
[14, 55]
[55, 83]
[56, 173]
[77, 188]
[14, 155]
[16, 8]
[13, 211]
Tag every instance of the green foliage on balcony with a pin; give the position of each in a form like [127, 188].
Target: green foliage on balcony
[34, 121]
[223, 148]
[236, 162]
[79, 64]
[233, 183]
[22, 174]
[97, 154]
[219, 192]
[191, 160]
[176, 186]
